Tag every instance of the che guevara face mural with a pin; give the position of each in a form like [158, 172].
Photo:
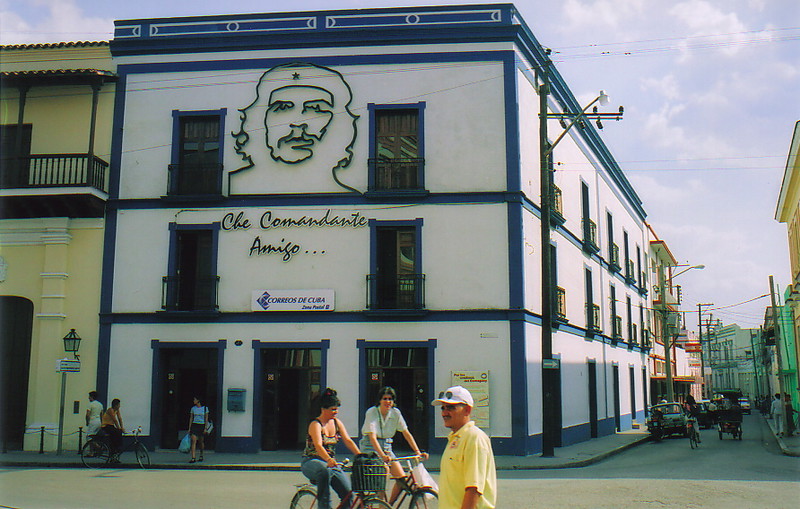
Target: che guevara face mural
[301, 115]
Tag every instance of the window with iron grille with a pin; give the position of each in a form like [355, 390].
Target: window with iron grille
[397, 160]
[396, 282]
[192, 281]
[196, 167]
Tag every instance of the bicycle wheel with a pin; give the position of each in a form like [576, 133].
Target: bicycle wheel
[142, 456]
[305, 498]
[693, 440]
[95, 454]
[424, 498]
[373, 503]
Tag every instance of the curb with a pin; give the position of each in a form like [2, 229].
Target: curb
[785, 450]
[283, 467]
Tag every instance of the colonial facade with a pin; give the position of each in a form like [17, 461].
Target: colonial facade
[55, 130]
[351, 199]
[788, 211]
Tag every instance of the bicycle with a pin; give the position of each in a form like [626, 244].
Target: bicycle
[96, 452]
[692, 432]
[421, 497]
[306, 498]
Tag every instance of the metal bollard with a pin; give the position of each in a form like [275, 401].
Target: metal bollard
[80, 439]
[41, 441]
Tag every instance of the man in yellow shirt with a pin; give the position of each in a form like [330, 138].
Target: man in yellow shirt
[467, 479]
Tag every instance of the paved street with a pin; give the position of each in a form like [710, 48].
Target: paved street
[721, 474]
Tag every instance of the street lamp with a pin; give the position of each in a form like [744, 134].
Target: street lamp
[667, 334]
[550, 366]
[72, 342]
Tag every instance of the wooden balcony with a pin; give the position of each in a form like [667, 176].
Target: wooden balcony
[53, 185]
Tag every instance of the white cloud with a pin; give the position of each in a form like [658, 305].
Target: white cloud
[64, 20]
[667, 86]
[610, 13]
[704, 19]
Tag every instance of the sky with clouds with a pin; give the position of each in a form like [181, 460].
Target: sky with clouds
[710, 89]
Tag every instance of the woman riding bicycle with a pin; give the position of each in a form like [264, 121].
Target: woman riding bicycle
[381, 424]
[319, 462]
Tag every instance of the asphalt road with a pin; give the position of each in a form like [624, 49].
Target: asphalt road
[720, 474]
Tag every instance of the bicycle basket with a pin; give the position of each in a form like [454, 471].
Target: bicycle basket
[369, 473]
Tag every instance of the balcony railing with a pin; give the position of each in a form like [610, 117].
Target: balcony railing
[54, 170]
[561, 304]
[593, 318]
[613, 263]
[557, 202]
[181, 293]
[396, 291]
[630, 272]
[643, 282]
[590, 236]
[634, 334]
[616, 330]
[397, 174]
[194, 179]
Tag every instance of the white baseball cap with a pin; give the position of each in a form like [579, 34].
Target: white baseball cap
[454, 396]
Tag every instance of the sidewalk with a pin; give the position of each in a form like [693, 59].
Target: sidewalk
[573, 456]
[789, 445]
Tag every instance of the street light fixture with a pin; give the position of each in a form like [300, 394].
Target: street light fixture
[550, 366]
[667, 334]
[72, 342]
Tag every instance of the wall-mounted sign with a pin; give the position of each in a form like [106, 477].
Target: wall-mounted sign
[68, 366]
[477, 383]
[292, 300]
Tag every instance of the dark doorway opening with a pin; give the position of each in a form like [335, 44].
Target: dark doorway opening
[617, 414]
[593, 431]
[406, 370]
[186, 373]
[16, 325]
[290, 384]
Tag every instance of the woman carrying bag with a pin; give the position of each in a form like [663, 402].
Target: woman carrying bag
[199, 423]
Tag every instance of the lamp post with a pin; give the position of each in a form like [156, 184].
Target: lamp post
[700, 307]
[665, 332]
[72, 342]
[550, 370]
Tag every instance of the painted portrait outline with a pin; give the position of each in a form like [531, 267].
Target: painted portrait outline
[300, 109]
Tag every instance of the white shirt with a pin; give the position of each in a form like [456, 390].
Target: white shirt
[386, 427]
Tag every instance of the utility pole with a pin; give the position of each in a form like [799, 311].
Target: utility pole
[776, 322]
[702, 363]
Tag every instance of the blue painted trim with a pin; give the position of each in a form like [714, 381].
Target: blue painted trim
[258, 370]
[156, 385]
[519, 383]
[174, 228]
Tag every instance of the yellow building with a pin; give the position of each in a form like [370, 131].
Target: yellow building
[788, 211]
[55, 131]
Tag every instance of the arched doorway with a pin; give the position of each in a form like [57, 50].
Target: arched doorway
[16, 324]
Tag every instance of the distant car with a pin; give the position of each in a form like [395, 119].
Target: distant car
[744, 404]
[705, 417]
[673, 419]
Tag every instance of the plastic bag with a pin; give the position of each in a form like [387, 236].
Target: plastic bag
[209, 427]
[186, 444]
[423, 478]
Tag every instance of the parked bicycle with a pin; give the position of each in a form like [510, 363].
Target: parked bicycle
[96, 452]
[693, 432]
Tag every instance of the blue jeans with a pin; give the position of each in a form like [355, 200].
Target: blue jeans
[326, 478]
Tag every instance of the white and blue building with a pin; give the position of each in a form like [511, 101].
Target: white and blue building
[351, 199]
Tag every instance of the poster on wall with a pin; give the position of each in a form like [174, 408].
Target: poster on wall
[292, 300]
[477, 383]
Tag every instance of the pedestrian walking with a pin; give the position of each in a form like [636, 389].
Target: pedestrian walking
[94, 414]
[467, 478]
[198, 420]
[777, 410]
[789, 414]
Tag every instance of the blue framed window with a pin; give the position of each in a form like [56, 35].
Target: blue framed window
[397, 148]
[192, 282]
[197, 147]
[396, 281]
